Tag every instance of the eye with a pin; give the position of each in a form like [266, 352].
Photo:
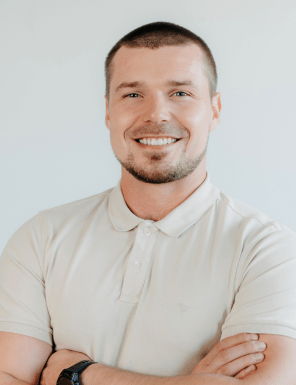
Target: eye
[132, 94]
[181, 92]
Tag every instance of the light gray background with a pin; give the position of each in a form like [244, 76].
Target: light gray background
[54, 145]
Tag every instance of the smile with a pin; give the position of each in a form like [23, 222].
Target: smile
[156, 142]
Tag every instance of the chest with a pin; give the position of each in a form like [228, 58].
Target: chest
[103, 305]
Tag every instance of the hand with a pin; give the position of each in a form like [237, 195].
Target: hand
[231, 357]
[57, 362]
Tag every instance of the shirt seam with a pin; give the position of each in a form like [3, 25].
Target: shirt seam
[259, 323]
[31, 326]
[227, 203]
[78, 201]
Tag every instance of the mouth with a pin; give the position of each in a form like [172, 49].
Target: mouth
[150, 141]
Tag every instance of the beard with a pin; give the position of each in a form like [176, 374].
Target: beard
[156, 174]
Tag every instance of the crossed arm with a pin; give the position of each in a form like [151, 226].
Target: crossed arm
[17, 367]
[277, 368]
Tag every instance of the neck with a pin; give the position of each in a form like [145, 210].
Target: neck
[155, 201]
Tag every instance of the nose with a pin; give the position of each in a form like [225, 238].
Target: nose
[156, 109]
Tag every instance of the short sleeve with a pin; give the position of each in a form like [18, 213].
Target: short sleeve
[266, 298]
[23, 307]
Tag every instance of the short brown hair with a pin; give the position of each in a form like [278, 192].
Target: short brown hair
[159, 34]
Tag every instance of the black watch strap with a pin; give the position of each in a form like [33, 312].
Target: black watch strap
[80, 366]
[72, 373]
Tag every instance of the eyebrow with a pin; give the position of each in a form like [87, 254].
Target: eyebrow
[129, 85]
[168, 83]
[181, 83]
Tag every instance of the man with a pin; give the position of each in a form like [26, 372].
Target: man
[146, 278]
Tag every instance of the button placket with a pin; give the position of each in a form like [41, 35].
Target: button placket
[136, 264]
[139, 262]
[147, 231]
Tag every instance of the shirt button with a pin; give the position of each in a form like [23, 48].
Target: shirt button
[136, 265]
[147, 231]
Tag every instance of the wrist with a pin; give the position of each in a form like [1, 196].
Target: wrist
[88, 374]
[103, 374]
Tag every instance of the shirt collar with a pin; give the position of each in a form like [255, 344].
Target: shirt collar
[177, 221]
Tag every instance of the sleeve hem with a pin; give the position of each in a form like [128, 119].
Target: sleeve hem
[26, 330]
[259, 329]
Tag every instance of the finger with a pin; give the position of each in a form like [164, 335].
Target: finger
[241, 350]
[243, 373]
[228, 343]
[233, 368]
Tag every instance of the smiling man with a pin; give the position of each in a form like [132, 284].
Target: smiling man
[138, 284]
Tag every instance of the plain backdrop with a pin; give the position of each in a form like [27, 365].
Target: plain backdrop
[54, 145]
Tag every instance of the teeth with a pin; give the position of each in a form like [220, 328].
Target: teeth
[157, 142]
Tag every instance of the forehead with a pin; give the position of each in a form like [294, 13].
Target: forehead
[157, 65]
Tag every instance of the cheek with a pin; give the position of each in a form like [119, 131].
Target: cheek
[192, 115]
[120, 121]
[117, 142]
[199, 115]
[123, 116]
[197, 121]
[117, 139]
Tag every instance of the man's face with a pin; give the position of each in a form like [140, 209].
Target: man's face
[162, 95]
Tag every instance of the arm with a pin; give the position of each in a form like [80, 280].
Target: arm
[233, 356]
[101, 374]
[277, 368]
[22, 359]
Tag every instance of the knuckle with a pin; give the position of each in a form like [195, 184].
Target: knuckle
[251, 347]
[250, 360]
[224, 355]
[222, 345]
[224, 370]
[246, 347]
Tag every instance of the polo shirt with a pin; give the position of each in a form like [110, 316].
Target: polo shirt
[150, 297]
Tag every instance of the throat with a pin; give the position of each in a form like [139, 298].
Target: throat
[153, 217]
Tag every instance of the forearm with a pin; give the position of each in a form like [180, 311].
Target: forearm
[98, 374]
[6, 379]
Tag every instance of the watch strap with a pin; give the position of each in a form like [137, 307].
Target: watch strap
[80, 366]
[74, 371]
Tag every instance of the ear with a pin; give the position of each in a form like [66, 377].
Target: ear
[107, 116]
[216, 109]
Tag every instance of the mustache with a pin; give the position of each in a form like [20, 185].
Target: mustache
[156, 129]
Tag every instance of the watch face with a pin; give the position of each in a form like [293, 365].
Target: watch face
[64, 381]
[65, 378]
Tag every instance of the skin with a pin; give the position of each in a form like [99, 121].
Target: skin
[230, 357]
[155, 109]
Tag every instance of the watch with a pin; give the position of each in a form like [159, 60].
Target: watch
[70, 375]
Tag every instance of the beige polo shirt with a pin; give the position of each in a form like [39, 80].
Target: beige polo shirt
[150, 297]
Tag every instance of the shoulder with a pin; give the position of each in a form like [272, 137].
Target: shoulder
[66, 217]
[78, 209]
[252, 230]
[247, 217]
[244, 212]
[79, 204]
